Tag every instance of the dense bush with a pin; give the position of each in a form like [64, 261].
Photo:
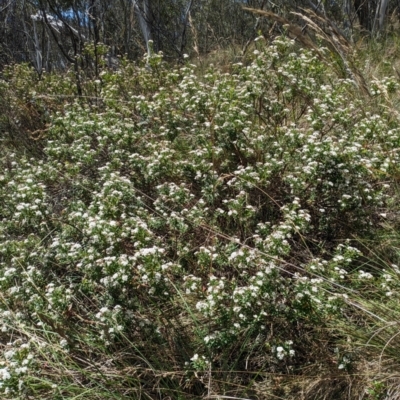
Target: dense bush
[179, 234]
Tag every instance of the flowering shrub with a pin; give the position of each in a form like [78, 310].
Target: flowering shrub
[176, 215]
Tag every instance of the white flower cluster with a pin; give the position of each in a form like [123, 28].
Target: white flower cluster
[15, 365]
[284, 351]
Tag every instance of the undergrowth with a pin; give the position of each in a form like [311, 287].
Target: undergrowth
[176, 235]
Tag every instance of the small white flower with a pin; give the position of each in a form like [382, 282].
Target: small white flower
[21, 370]
[4, 374]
